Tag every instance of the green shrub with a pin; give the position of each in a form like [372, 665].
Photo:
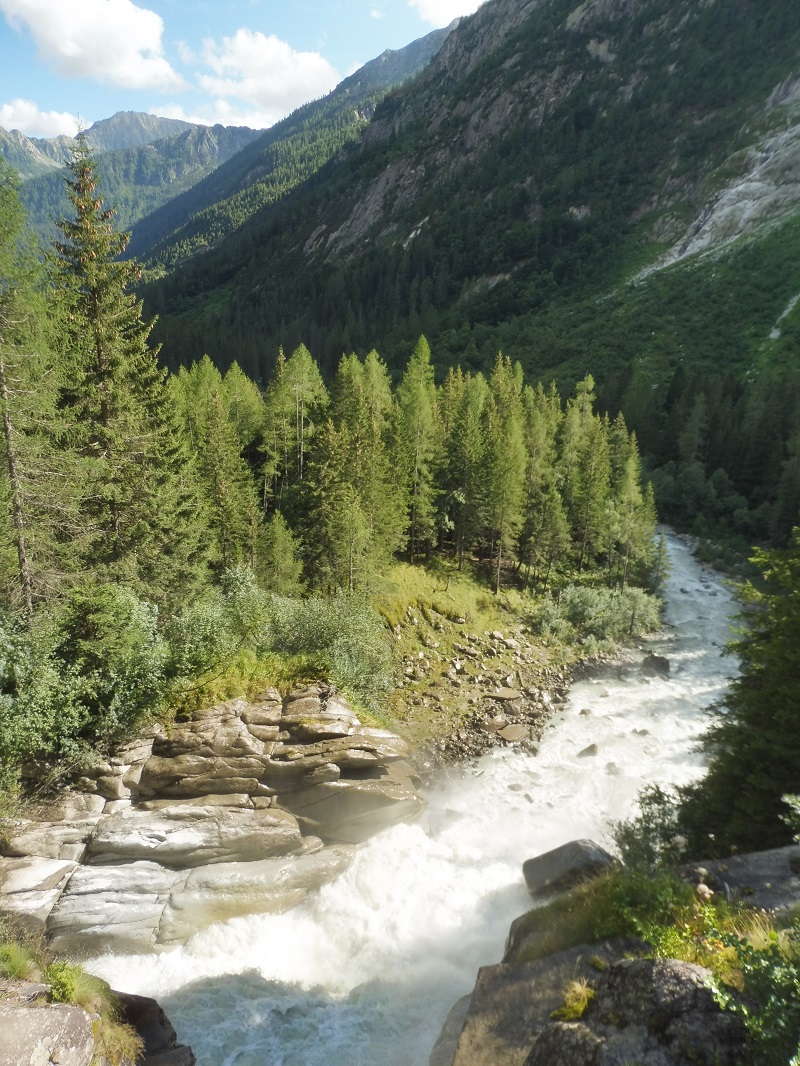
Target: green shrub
[18, 961]
[654, 836]
[608, 615]
[62, 977]
[343, 635]
[770, 1008]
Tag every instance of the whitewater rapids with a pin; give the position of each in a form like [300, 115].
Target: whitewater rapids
[365, 970]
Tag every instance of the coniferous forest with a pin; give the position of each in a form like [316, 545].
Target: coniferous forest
[159, 527]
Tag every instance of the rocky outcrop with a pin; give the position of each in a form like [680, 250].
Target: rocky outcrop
[34, 1031]
[227, 813]
[655, 1011]
[511, 1003]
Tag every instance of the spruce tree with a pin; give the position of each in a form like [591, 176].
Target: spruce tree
[421, 444]
[40, 475]
[140, 502]
[755, 741]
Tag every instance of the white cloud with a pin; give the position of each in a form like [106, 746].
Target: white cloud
[442, 12]
[265, 74]
[24, 115]
[113, 41]
[376, 13]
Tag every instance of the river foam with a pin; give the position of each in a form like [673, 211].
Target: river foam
[365, 970]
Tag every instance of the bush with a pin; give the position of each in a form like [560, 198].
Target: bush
[608, 615]
[343, 636]
[653, 837]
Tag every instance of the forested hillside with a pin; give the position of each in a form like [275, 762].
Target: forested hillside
[158, 530]
[139, 177]
[284, 157]
[518, 196]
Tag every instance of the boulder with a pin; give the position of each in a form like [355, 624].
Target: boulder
[161, 1046]
[349, 812]
[656, 664]
[229, 890]
[32, 886]
[54, 1032]
[511, 1003]
[657, 1012]
[188, 835]
[564, 867]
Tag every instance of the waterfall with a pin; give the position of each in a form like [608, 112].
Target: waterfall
[365, 970]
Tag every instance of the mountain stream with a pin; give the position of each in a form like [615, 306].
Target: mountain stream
[365, 970]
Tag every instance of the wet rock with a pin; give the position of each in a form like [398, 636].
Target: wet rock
[515, 733]
[656, 665]
[588, 752]
[564, 867]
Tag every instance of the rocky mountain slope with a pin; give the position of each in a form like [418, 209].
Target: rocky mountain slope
[549, 153]
[280, 160]
[33, 156]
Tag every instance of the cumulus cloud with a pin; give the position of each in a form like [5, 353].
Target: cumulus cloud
[24, 115]
[113, 41]
[264, 74]
[376, 13]
[442, 12]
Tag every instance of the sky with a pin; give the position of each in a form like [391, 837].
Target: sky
[238, 62]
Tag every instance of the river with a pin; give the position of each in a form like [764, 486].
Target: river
[365, 970]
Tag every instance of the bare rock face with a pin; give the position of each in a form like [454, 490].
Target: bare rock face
[658, 1012]
[34, 1032]
[33, 1035]
[225, 815]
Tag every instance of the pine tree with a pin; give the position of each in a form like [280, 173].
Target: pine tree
[756, 740]
[40, 487]
[141, 504]
[504, 463]
[421, 443]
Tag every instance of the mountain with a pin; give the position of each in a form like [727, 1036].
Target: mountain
[137, 180]
[608, 187]
[548, 154]
[33, 156]
[278, 162]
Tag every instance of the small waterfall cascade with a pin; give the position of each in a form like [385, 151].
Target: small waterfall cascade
[365, 970]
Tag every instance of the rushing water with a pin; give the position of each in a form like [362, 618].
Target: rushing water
[365, 970]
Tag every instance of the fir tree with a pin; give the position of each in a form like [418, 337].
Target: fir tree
[421, 442]
[145, 522]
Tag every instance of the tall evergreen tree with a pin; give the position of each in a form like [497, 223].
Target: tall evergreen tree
[421, 440]
[756, 739]
[39, 481]
[141, 494]
[504, 463]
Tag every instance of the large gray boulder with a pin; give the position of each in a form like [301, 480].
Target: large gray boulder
[511, 1003]
[566, 866]
[656, 1012]
[35, 1036]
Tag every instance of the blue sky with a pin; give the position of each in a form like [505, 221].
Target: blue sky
[239, 62]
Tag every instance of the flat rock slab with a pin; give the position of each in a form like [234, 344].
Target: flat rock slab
[769, 880]
[189, 835]
[32, 886]
[37, 1035]
[566, 866]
